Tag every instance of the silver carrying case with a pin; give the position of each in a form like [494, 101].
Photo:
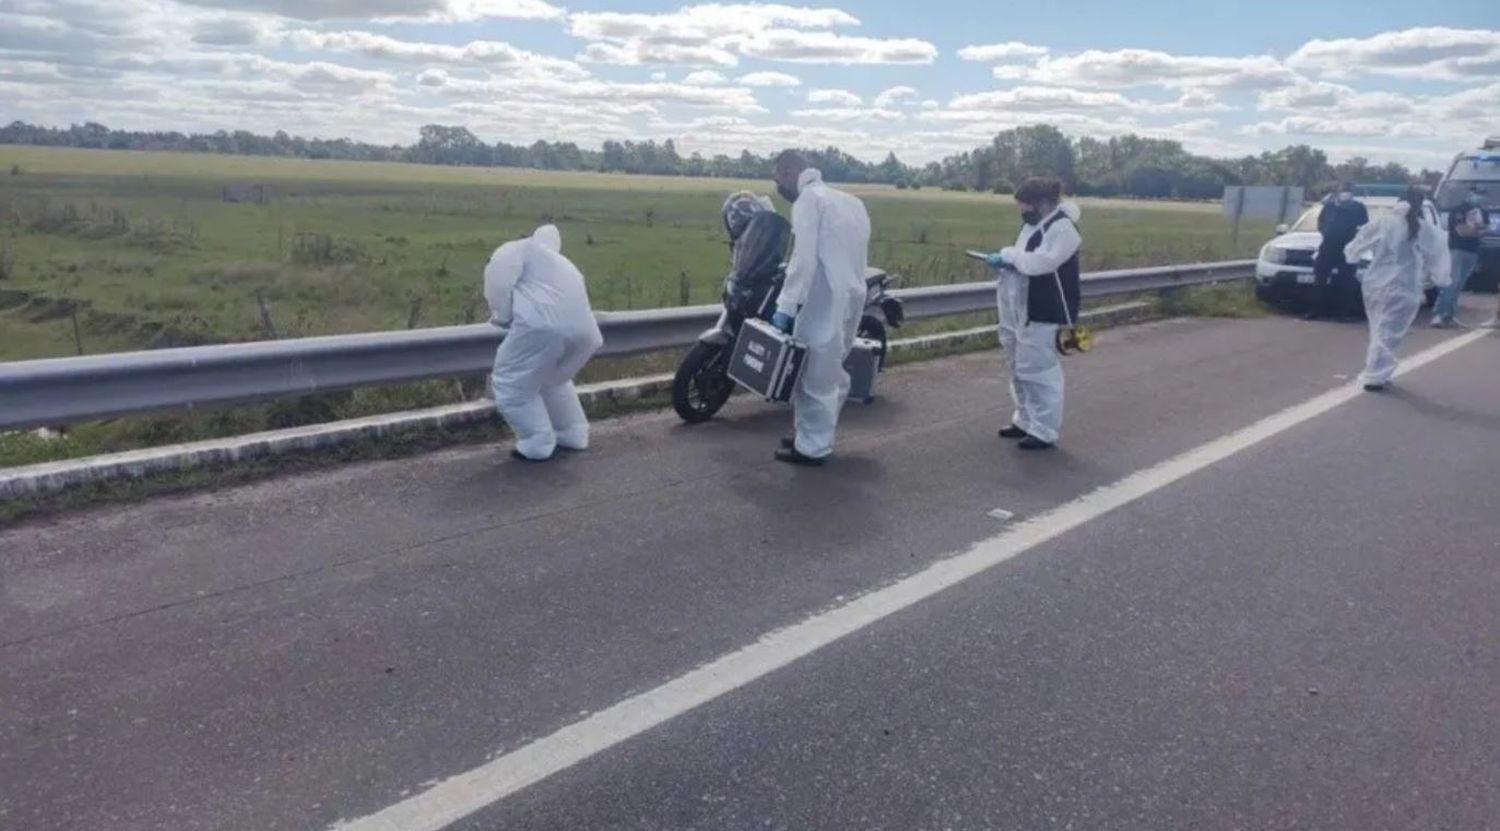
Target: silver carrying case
[766, 360]
[863, 364]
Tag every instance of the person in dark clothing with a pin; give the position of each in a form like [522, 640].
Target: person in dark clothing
[1467, 224]
[1336, 291]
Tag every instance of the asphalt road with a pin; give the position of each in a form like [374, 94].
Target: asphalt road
[1301, 634]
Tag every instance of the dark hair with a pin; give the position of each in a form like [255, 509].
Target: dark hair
[1414, 197]
[790, 160]
[1039, 189]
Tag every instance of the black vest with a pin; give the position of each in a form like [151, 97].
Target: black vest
[1043, 302]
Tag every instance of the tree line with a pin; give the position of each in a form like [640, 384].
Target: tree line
[1126, 166]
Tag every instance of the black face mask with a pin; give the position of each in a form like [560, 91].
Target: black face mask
[789, 194]
[1031, 217]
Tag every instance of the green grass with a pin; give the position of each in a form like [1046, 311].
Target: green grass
[112, 250]
[1223, 300]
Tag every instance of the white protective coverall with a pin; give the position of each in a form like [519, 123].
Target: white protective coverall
[1392, 283]
[825, 290]
[539, 297]
[1036, 375]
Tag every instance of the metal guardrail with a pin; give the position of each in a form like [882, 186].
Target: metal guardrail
[62, 390]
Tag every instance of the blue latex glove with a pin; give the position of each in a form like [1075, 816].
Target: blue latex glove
[783, 321]
[995, 260]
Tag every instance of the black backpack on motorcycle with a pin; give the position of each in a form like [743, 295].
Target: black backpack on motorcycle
[756, 262]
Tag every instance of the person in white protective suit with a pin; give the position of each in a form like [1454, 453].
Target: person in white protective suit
[1038, 292]
[1403, 247]
[821, 301]
[538, 297]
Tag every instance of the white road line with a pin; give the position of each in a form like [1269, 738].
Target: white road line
[456, 797]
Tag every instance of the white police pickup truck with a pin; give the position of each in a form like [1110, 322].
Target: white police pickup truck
[1284, 272]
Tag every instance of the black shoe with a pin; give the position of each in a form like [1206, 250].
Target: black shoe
[1374, 387]
[792, 457]
[788, 443]
[519, 456]
[1013, 432]
[1034, 443]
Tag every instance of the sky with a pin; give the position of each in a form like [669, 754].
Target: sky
[1413, 82]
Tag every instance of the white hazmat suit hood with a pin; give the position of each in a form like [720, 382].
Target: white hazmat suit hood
[1392, 283]
[539, 297]
[825, 290]
[1036, 374]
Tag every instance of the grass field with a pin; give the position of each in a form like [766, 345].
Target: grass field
[108, 250]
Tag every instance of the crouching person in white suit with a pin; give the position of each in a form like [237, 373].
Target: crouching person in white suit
[539, 298]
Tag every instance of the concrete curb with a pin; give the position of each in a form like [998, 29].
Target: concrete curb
[55, 477]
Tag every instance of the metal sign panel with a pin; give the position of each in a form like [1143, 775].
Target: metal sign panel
[1262, 202]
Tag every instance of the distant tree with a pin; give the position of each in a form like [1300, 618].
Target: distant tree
[1126, 165]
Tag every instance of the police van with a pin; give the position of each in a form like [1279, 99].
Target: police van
[1477, 170]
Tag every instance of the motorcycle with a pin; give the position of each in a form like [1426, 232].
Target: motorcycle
[702, 385]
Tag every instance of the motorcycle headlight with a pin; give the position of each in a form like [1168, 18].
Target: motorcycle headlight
[1273, 254]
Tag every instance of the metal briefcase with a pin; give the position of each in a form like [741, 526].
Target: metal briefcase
[863, 364]
[766, 361]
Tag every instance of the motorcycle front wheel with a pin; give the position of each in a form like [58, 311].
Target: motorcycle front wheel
[702, 384]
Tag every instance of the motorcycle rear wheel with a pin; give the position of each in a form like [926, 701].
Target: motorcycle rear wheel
[871, 328]
[702, 386]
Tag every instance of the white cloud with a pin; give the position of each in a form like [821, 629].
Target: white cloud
[1475, 110]
[827, 47]
[416, 10]
[849, 114]
[894, 96]
[1125, 68]
[1318, 108]
[33, 72]
[1336, 100]
[432, 78]
[1302, 125]
[705, 78]
[701, 24]
[716, 34]
[982, 105]
[641, 53]
[489, 54]
[1008, 51]
[235, 30]
[1431, 52]
[840, 97]
[730, 98]
[320, 75]
[770, 79]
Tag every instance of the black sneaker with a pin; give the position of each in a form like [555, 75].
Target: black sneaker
[519, 456]
[792, 457]
[788, 443]
[1012, 432]
[1034, 443]
[1374, 387]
